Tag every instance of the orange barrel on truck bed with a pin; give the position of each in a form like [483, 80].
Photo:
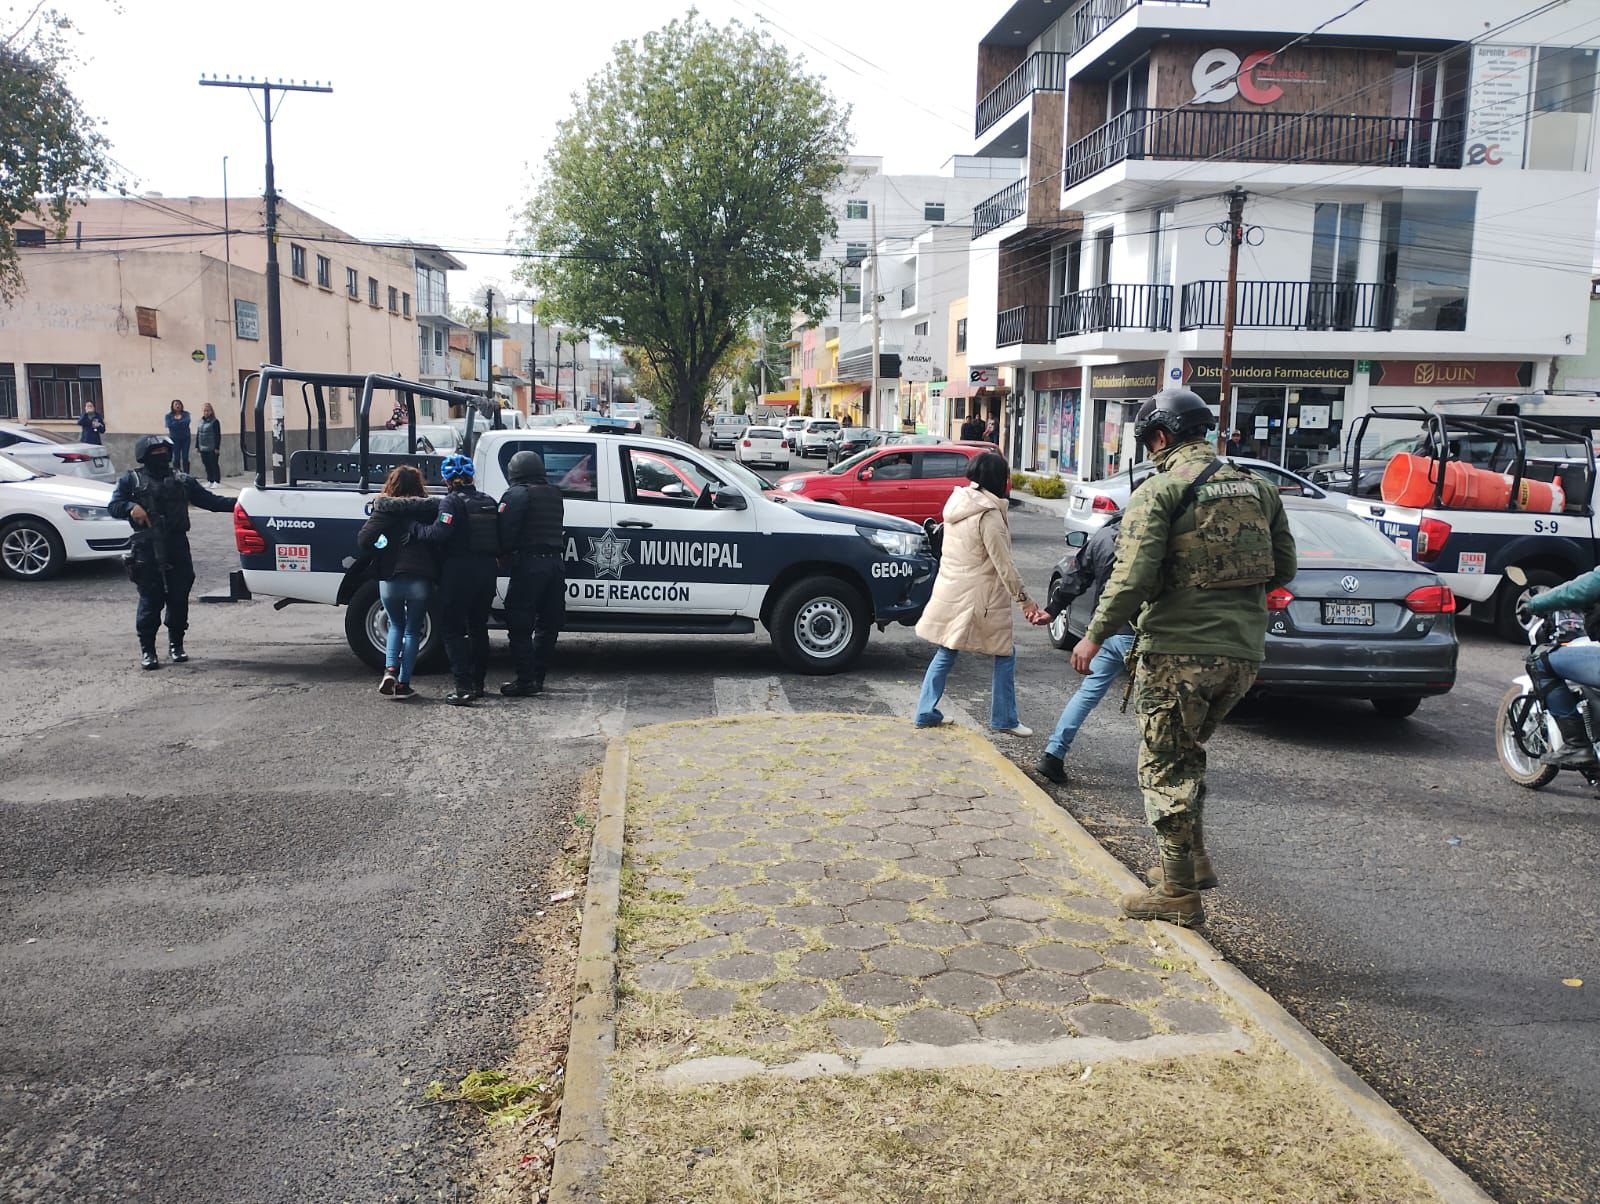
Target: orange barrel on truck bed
[1409, 481]
[1540, 496]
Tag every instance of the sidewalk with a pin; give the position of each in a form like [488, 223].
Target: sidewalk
[858, 962]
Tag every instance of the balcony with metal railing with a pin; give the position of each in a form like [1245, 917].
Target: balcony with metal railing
[1010, 203]
[1093, 17]
[1288, 305]
[1264, 136]
[1024, 324]
[1043, 71]
[1114, 307]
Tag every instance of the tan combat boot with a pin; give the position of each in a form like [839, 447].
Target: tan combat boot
[1175, 897]
[1205, 878]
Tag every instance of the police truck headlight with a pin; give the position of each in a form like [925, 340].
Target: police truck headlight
[896, 543]
[86, 513]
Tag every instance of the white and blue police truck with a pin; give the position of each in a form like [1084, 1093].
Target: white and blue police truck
[660, 537]
[1541, 443]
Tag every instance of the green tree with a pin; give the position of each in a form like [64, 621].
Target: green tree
[687, 192]
[51, 151]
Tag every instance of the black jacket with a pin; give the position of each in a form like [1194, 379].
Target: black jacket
[1089, 573]
[467, 526]
[166, 499]
[401, 556]
[530, 518]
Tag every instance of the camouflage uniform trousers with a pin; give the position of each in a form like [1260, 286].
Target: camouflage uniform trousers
[1179, 700]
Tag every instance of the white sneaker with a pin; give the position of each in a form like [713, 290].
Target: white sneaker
[1019, 730]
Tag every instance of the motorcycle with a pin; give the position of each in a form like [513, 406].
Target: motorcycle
[1525, 732]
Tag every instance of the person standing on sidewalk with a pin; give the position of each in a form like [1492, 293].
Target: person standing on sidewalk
[467, 534]
[1089, 575]
[1202, 542]
[407, 569]
[179, 423]
[970, 610]
[208, 442]
[91, 424]
[531, 538]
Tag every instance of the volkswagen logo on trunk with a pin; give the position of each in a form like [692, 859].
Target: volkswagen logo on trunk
[1349, 584]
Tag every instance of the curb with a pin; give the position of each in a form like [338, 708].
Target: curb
[1366, 1105]
[581, 1137]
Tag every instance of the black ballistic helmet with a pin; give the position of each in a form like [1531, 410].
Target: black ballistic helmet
[148, 444]
[526, 468]
[1179, 412]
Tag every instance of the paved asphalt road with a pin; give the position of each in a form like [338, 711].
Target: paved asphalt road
[248, 908]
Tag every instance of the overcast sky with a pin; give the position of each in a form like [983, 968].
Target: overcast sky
[438, 112]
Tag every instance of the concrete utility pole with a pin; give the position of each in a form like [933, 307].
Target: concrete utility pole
[1235, 235]
[488, 356]
[869, 416]
[280, 458]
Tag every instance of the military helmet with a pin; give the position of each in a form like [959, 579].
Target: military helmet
[148, 444]
[525, 468]
[457, 466]
[1179, 412]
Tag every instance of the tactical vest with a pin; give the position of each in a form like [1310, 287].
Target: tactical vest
[1231, 544]
[483, 524]
[165, 500]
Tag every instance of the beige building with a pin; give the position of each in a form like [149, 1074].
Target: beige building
[147, 299]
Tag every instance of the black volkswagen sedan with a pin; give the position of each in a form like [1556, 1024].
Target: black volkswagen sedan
[1360, 619]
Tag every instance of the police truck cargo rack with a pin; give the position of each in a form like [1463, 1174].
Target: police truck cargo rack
[1546, 460]
[660, 538]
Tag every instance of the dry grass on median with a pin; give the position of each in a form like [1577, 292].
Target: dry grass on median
[1217, 1128]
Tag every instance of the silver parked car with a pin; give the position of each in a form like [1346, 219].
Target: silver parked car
[51, 452]
[1091, 503]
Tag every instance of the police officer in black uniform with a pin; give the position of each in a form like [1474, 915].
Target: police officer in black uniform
[467, 532]
[531, 514]
[156, 499]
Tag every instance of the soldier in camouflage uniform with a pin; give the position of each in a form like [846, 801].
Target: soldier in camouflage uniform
[1202, 542]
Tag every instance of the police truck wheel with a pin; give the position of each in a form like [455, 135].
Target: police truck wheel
[30, 550]
[1511, 595]
[819, 625]
[1060, 636]
[366, 629]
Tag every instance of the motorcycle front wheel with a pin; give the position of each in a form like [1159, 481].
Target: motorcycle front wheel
[1520, 740]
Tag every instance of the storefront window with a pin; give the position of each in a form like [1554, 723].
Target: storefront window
[1056, 431]
[1295, 426]
[1114, 441]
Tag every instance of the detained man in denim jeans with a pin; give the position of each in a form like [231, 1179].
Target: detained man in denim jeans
[1088, 576]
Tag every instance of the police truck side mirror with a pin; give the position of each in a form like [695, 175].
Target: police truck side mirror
[724, 497]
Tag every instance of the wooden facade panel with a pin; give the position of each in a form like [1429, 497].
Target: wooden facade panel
[1044, 156]
[1085, 106]
[1024, 274]
[995, 63]
[1340, 80]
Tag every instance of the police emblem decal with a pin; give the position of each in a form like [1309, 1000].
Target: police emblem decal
[609, 555]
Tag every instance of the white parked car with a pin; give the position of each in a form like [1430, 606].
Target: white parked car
[46, 521]
[815, 436]
[791, 431]
[56, 454]
[762, 445]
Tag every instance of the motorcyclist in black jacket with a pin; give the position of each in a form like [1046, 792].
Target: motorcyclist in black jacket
[531, 539]
[467, 535]
[156, 499]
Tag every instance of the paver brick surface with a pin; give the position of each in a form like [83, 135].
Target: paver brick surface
[861, 902]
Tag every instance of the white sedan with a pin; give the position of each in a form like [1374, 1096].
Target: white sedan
[47, 520]
[762, 445]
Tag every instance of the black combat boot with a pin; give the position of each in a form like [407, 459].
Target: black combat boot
[1576, 752]
[147, 656]
[175, 650]
[477, 689]
[461, 696]
[522, 689]
[1050, 768]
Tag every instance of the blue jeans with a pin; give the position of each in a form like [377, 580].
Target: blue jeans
[1002, 690]
[1106, 667]
[1581, 665]
[405, 601]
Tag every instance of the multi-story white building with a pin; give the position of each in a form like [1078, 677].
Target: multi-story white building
[1419, 213]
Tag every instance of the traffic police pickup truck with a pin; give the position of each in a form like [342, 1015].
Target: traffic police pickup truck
[1538, 438]
[660, 539]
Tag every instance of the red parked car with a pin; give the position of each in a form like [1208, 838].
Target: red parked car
[906, 481]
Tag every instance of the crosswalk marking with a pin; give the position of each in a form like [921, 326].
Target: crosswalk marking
[901, 699]
[750, 695]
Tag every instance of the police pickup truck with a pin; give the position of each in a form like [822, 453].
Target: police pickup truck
[1535, 439]
[660, 538]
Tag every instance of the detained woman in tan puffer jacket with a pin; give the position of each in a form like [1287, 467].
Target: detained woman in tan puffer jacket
[978, 583]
